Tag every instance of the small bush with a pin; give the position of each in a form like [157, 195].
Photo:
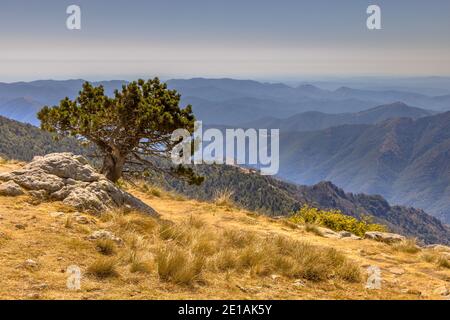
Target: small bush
[105, 246]
[103, 268]
[335, 220]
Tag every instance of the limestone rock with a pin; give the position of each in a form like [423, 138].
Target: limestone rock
[384, 237]
[69, 178]
[397, 271]
[442, 291]
[10, 189]
[30, 264]
[328, 233]
[348, 235]
[104, 234]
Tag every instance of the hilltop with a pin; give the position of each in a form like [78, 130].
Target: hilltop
[197, 250]
[252, 191]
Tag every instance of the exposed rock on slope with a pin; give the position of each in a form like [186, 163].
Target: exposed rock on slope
[69, 178]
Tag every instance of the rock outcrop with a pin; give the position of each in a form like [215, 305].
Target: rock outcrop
[70, 179]
[384, 237]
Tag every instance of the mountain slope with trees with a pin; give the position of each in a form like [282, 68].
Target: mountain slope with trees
[405, 160]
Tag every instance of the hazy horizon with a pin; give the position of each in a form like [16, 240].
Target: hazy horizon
[252, 39]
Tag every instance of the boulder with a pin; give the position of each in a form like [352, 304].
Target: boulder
[384, 237]
[10, 189]
[70, 179]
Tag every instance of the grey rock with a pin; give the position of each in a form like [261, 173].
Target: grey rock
[384, 237]
[70, 179]
[348, 235]
[105, 235]
[10, 189]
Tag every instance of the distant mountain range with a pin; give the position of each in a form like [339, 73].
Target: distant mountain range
[224, 101]
[405, 160]
[384, 142]
[313, 120]
[22, 100]
[253, 191]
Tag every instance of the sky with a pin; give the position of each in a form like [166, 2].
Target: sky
[259, 39]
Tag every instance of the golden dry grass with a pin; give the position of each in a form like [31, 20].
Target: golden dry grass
[197, 250]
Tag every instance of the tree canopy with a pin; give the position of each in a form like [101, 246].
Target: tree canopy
[130, 129]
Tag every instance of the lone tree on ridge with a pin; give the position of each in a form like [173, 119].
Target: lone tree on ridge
[129, 130]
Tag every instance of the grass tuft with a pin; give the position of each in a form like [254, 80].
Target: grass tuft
[103, 268]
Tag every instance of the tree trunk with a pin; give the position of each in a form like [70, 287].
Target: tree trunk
[113, 167]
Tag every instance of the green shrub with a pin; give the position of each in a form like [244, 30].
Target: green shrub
[335, 220]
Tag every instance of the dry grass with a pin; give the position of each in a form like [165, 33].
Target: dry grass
[407, 246]
[311, 228]
[179, 266]
[224, 198]
[103, 268]
[196, 251]
[443, 262]
[106, 247]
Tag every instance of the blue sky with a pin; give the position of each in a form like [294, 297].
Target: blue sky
[222, 38]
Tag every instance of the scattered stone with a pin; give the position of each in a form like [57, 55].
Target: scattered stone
[299, 283]
[56, 214]
[20, 226]
[441, 291]
[70, 179]
[40, 287]
[4, 236]
[30, 264]
[348, 235]
[82, 220]
[33, 296]
[397, 271]
[414, 292]
[384, 237]
[10, 189]
[104, 234]
[275, 276]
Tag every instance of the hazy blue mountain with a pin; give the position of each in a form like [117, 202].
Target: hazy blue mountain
[405, 160]
[22, 100]
[389, 96]
[21, 109]
[313, 120]
[227, 101]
